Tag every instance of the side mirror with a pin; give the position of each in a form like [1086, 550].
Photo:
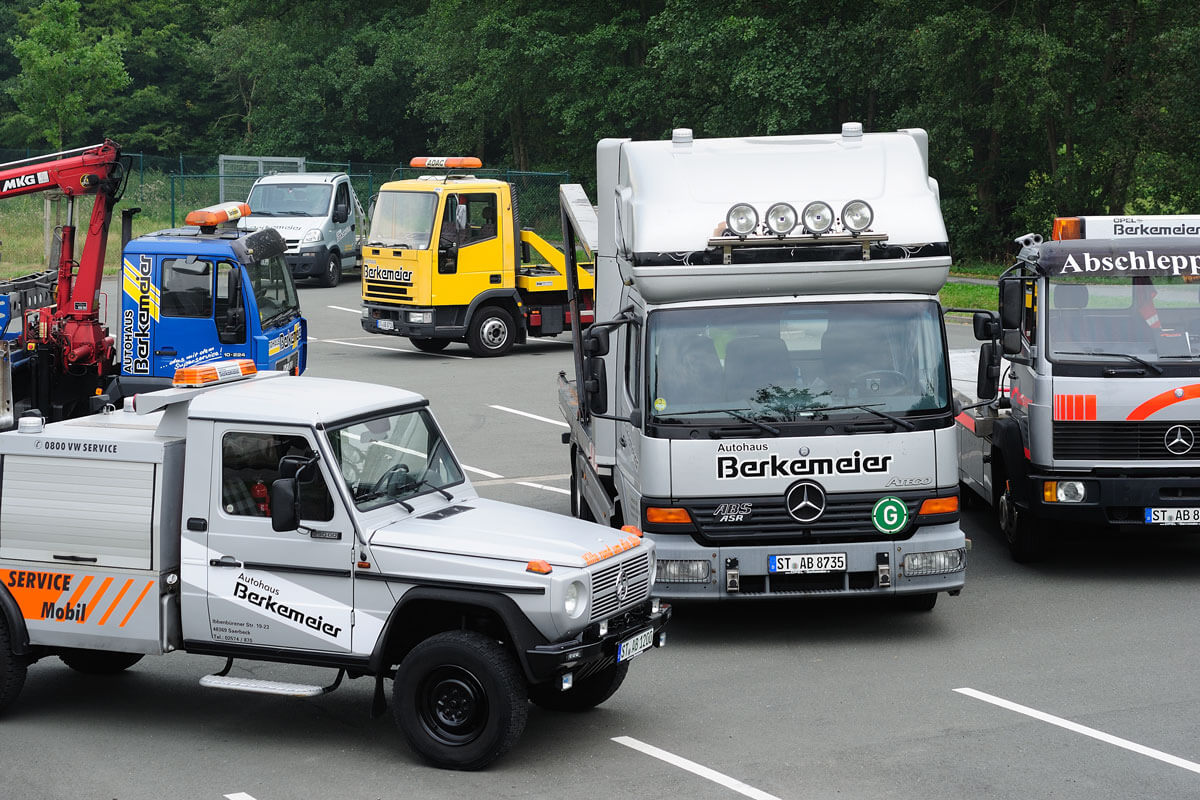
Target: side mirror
[1012, 303]
[986, 325]
[448, 259]
[595, 385]
[595, 342]
[302, 468]
[987, 380]
[285, 504]
[1012, 342]
[341, 213]
[526, 255]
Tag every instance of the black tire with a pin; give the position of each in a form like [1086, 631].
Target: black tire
[460, 700]
[12, 668]
[579, 507]
[430, 345]
[99, 662]
[585, 694]
[491, 332]
[916, 602]
[332, 275]
[1024, 535]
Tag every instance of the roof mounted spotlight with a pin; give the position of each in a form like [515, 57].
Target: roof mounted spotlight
[817, 217]
[781, 219]
[742, 219]
[857, 216]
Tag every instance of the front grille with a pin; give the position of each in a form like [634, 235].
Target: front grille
[847, 518]
[387, 291]
[1112, 441]
[808, 584]
[633, 572]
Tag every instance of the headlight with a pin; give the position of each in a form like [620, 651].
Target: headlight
[936, 563]
[653, 567]
[857, 216]
[312, 235]
[1064, 491]
[818, 217]
[781, 218]
[671, 571]
[742, 219]
[575, 599]
[420, 317]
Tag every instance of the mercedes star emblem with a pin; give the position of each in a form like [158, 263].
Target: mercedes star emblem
[622, 585]
[805, 501]
[1179, 440]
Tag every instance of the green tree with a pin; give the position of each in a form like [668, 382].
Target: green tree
[63, 76]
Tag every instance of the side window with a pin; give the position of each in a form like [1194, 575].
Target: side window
[187, 289]
[1029, 318]
[469, 218]
[343, 196]
[633, 364]
[250, 463]
[230, 314]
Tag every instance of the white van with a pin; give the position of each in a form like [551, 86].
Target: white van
[320, 218]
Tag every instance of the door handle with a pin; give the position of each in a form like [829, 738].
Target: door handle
[166, 351]
[622, 441]
[224, 561]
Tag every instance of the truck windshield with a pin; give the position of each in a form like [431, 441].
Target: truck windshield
[274, 291]
[393, 457]
[1143, 318]
[403, 220]
[290, 199]
[796, 363]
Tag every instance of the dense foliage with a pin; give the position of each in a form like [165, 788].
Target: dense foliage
[1033, 108]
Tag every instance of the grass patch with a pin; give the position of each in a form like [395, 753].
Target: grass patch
[969, 295]
[978, 269]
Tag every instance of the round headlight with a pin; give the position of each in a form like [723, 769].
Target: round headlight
[653, 566]
[781, 218]
[857, 216]
[574, 599]
[818, 217]
[742, 219]
[1070, 491]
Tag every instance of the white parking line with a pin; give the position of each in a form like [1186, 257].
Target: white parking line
[381, 347]
[694, 768]
[343, 308]
[558, 422]
[238, 796]
[1086, 731]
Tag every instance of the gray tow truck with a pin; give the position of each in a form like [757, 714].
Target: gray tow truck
[269, 517]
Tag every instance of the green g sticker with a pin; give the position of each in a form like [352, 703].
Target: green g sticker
[890, 515]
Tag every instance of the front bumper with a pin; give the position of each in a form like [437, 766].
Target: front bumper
[446, 322]
[590, 652]
[1116, 500]
[309, 261]
[872, 568]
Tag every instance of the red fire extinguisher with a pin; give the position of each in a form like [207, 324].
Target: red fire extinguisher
[261, 498]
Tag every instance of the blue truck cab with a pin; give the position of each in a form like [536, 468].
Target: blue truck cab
[204, 293]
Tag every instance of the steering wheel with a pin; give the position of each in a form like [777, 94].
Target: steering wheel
[881, 381]
[396, 477]
[268, 307]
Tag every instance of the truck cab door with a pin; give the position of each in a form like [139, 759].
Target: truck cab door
[344, 223]
[628, 393]
[280, 589]
[470, 246]
[186, 330]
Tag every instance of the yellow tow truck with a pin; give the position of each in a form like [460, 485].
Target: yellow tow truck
[447, 261]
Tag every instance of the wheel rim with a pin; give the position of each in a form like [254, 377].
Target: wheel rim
[332, 269]
[493, 333]
[452, 706]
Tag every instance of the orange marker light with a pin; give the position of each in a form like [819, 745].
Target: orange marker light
[674, 516]
[1067, 228]
[539, 566]
[213, 216]
[214, 372]
[449, 162]
[939, 505]
[634, 529]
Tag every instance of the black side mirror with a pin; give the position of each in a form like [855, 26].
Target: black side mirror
[302, 468]
[526, 254]
[987, 380]
[341, 213]
[1011, 340]
[595, 342]
[595, 385]
[986, 325]
[285, 504]
[448, 258]
[1012, 303]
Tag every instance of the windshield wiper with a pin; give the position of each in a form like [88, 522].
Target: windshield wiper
[870, 409]
[1147, 364]
[262, 213]
[394, 245]
[731, 412]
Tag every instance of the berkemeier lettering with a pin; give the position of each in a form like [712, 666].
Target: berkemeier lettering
[268, 603]
[1134, 261]
[778, 466]
[387, 274]
[1135, 228]
[135, 324]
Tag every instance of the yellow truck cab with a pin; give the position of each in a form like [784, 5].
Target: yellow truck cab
[447, 261]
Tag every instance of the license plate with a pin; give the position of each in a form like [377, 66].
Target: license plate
[385, 325]
[1173, 516]
[635, 645]
[808, 563]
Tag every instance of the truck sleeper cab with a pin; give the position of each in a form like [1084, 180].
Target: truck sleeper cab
[317, 522]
